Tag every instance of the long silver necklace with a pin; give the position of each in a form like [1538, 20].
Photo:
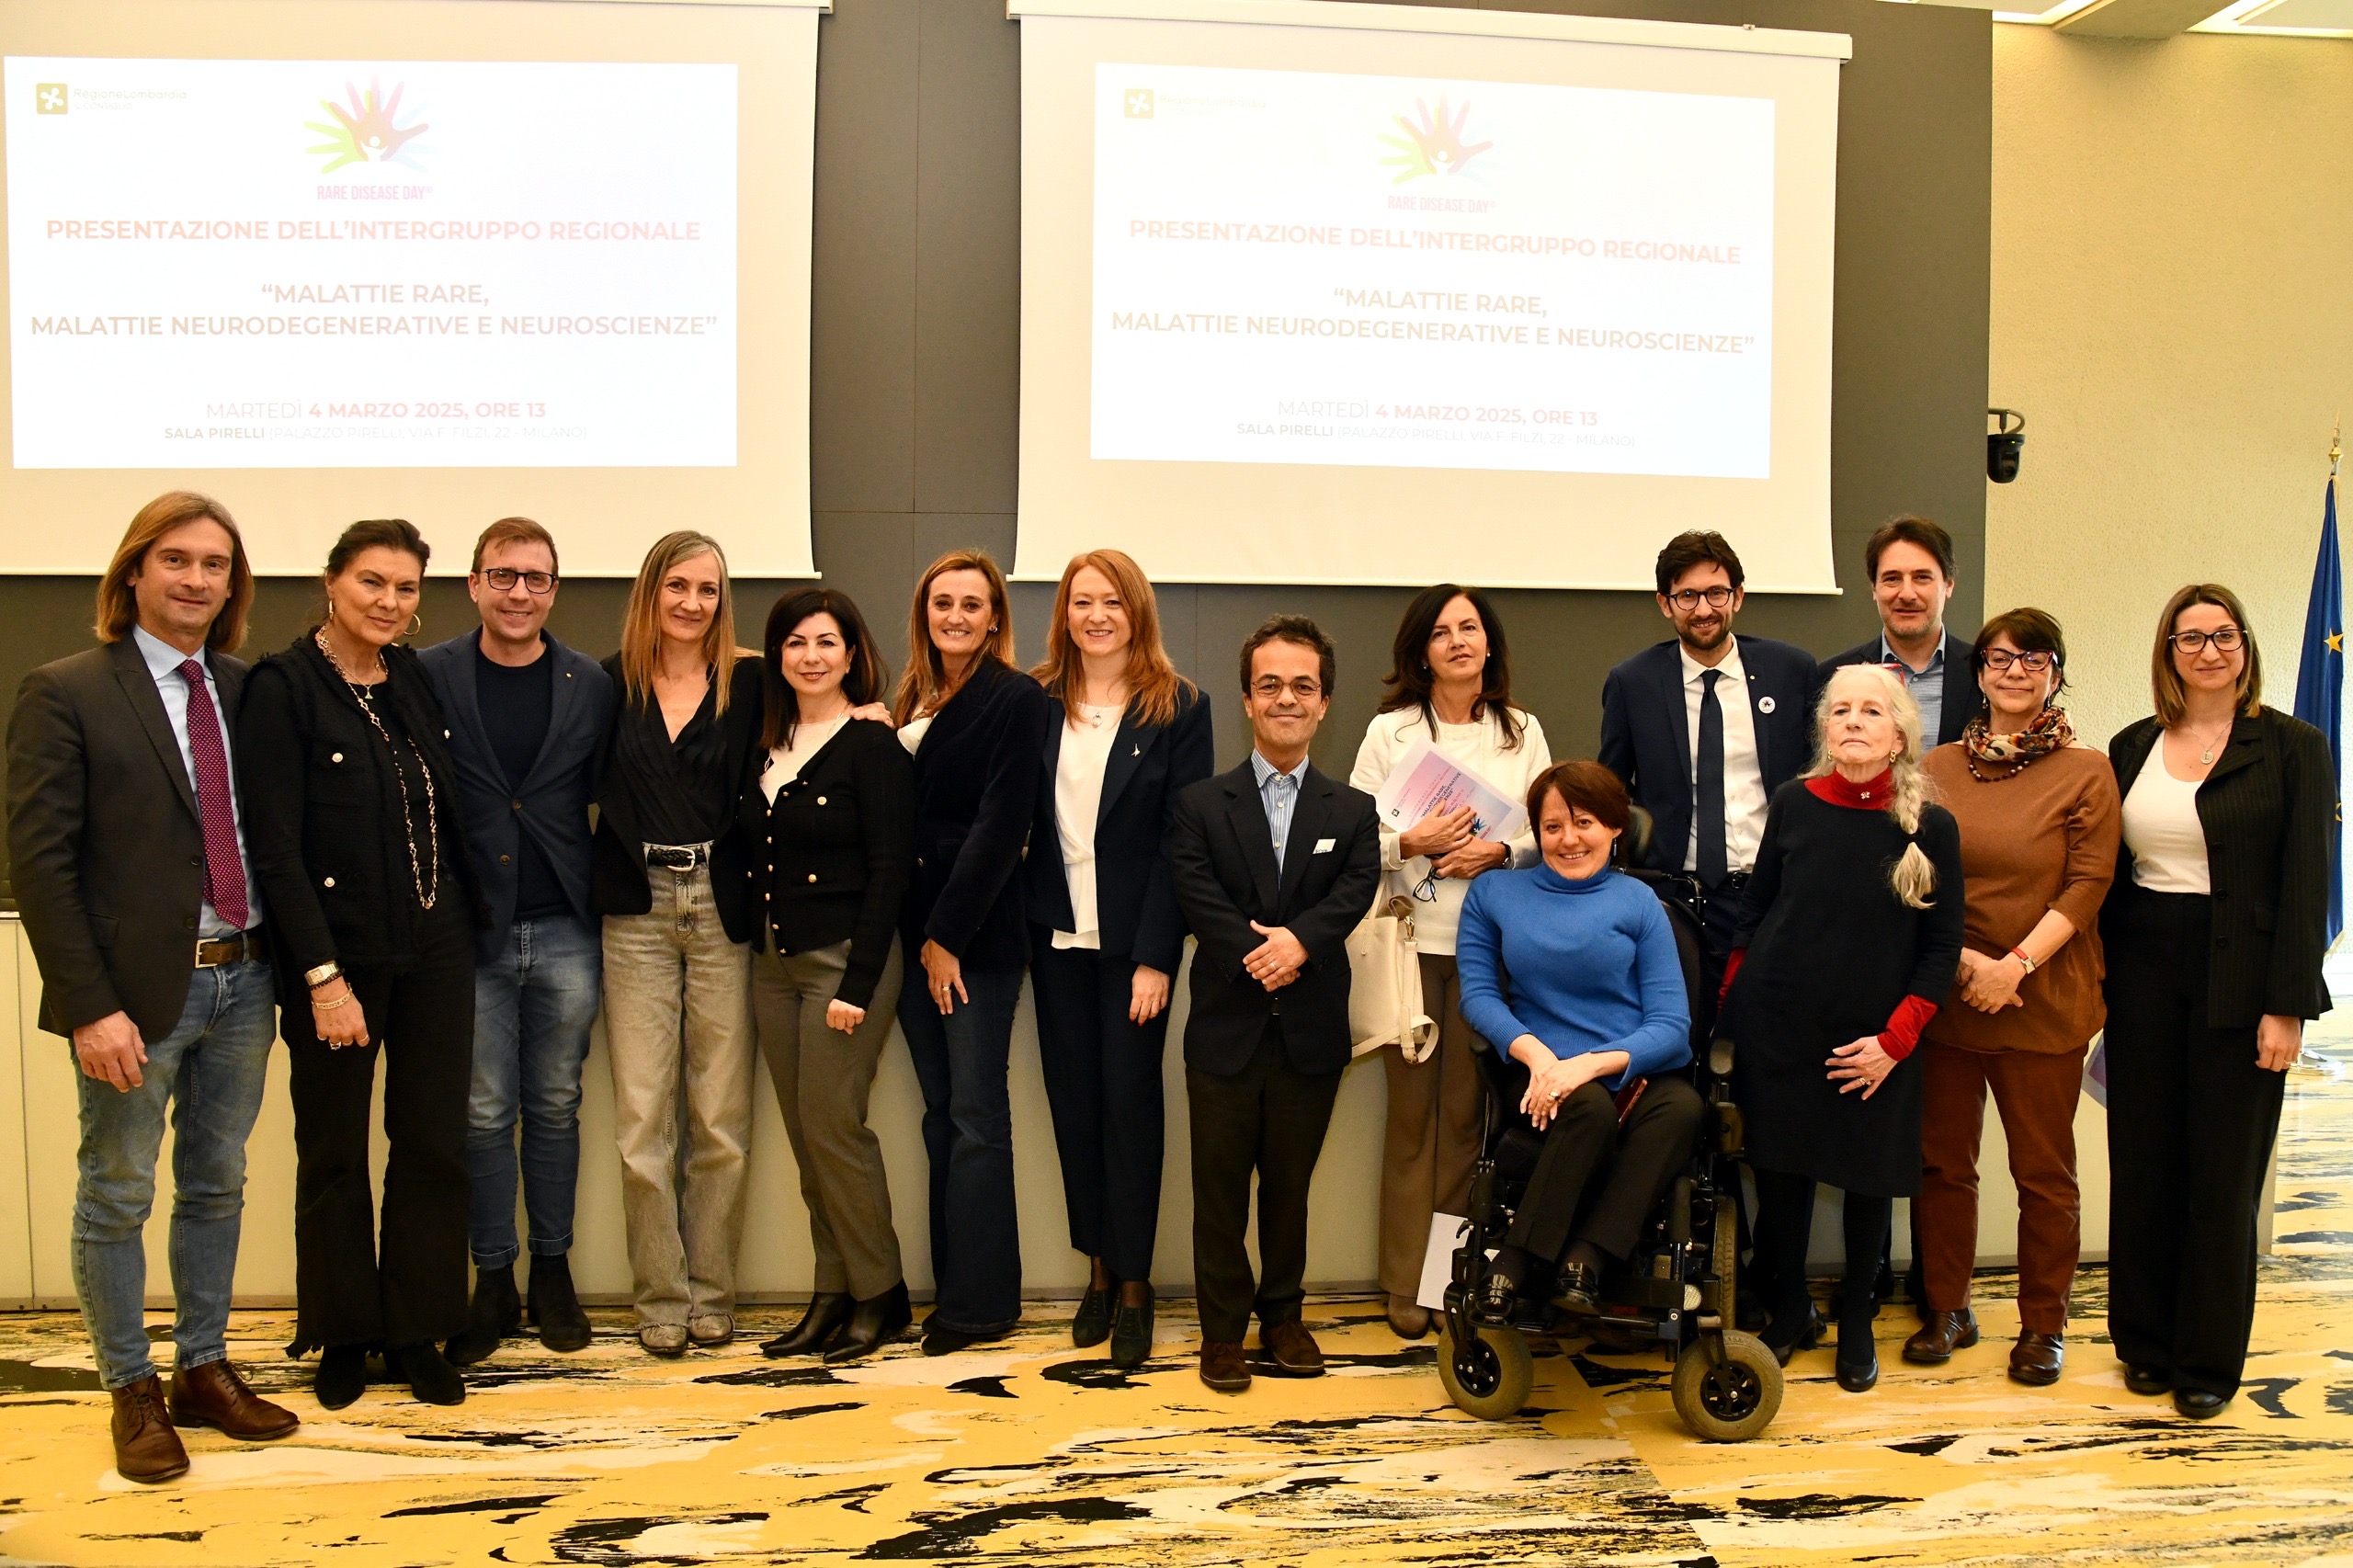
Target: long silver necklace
[427, 889]
[2206, 754]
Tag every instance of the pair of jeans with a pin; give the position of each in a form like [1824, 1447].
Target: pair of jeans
[961, 1059]
[534, 1005]
[679, 1026]
[1103, 1082]
[206, 1076]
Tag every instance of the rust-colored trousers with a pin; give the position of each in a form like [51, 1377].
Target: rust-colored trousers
[2036, 1096]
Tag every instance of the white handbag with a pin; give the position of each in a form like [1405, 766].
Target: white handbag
[1385, 984]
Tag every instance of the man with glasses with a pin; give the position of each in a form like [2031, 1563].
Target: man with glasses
[528, 717]
[1703, 728]
[1909, 562]
[1274, 865]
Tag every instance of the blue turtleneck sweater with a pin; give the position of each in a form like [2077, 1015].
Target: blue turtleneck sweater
[1583, 966]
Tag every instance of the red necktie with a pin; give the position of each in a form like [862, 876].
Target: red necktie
[224, 873]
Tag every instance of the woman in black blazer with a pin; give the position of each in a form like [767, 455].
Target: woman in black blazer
[975, 724]
[2214, 932]
[830, 802]
[1105, 933]
[351, 816]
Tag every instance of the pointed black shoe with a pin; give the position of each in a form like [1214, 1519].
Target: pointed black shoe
[873, 1323]
[1787, 1341]
[554, 1306]
[827, 1312]
[496, 1313]
[342, 1375]
[1131, 1334]
[1091, 1325]
[427, 1373]
[1858, 1352]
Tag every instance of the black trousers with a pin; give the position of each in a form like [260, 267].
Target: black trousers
[1597, 1181]
[2190, 1120]
[411, 1288]
[1103, 1084]
[1269, 1118]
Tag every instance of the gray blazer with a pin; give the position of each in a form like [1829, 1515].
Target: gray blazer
[106, 845]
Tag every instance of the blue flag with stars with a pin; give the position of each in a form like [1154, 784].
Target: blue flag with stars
[2320, 681]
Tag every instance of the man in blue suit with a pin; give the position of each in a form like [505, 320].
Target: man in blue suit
[1704, 727]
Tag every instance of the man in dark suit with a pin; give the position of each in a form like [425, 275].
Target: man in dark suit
[1274, 865]
[1909, 560]
[1701, 728]
[527, 719]
[128, 847]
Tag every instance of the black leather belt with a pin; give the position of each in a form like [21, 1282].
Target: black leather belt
[678, 856]
[229, 950]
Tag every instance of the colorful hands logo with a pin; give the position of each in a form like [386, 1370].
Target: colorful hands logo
[365, 133]
[1433, 147]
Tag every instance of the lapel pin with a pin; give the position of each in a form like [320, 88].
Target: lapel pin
[1139, 751]
[1764, 704]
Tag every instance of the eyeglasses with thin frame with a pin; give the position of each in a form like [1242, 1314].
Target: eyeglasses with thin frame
[503, 579]
[2036, 660]
[1688, 598]
[1307, 689]
[2228, 638]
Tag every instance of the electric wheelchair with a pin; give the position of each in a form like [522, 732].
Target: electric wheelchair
[1677, 1291]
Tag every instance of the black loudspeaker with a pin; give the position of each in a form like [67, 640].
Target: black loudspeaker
[2005, 444]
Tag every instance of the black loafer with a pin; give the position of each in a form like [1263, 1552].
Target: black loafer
[1857, 1358]
[1132, 1334]
[2147, 1381]
[828, 1310]
[2197, 1404]
[938, 1339]
[1498, 1299]
[1091, 1325]
[1580, 1288]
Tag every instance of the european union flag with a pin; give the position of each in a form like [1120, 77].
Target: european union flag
[2320, 679]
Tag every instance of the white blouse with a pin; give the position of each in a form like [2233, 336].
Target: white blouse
[2162, 829]
[785, 763]
[1078, 798]
[910, 733]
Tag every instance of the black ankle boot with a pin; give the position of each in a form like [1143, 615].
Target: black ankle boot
[342, 1375]
[555, 1306]
[828, 1310]
[873, 1323]
[496, 1311]
[427, 1373]
[1858, 1352]
[1790, 1332]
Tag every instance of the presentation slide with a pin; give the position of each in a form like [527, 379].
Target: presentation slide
[244, 264]
[1295, 266]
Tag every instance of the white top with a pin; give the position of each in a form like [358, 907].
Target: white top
[785, 762]
[1078, 798]
[2162, 829]
[1744, 800]
[1478, 748]
[910, 733]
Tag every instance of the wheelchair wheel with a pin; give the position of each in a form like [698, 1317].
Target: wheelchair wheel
[1731, 1402]
[1491, 1376]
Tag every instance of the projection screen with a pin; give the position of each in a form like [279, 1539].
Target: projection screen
[1326, 292]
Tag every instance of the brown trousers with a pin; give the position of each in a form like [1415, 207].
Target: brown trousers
[2036, 1096]
[1432, 1139]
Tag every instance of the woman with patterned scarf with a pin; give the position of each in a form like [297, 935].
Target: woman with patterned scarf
[2039, 819]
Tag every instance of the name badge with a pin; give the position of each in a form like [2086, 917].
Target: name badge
[1324, 845]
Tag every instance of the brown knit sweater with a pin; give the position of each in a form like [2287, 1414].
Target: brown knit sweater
[2043, 840]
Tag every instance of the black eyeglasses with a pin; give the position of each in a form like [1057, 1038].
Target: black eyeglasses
[2037, 659]
[2226, 638]
[503, 579]
[1688, 599]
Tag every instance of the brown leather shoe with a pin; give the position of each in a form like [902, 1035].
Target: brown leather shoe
[145, 1447]
[1222, 1367]
[1293, 1349]
[214, 1395]
[1408, 1319]
[1933, 1345]
[2037, 1359]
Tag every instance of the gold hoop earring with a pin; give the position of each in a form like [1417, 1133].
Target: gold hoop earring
[416, 623]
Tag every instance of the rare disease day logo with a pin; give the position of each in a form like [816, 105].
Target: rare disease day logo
[367, 131]
[1435, 146]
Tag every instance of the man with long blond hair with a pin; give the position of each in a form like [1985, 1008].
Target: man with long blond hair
[127, 842]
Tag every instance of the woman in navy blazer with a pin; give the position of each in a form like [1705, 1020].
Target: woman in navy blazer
[975, 724]
[1105, 932]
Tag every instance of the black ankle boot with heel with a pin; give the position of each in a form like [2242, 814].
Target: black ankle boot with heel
[828, 1310]
[496, 1311]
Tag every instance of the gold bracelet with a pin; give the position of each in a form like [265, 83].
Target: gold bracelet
[331, 1006]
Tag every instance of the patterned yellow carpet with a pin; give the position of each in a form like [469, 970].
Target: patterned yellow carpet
[1032, 1453]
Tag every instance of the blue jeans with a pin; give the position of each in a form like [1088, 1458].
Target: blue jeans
[207, 1075]
[533, 1008]
[961, 1059]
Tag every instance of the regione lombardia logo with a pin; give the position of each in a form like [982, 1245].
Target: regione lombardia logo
[1433, 145]
[367, 131]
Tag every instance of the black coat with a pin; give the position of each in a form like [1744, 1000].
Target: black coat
[322, 810]
[105, 846]
[618, 883]
[1962, 698]
[2269, 810]
[1226, 877]
[1646, 730]
[1135, 896]
[836, 849]
[976, 791]
[551, 803]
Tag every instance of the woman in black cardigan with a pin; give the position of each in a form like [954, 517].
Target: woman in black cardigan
[1105, 933]
[2214, 931]
[829, 801]
[975, 724]
[351, 814]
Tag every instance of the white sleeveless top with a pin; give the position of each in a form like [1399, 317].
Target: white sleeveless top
[2162, 829]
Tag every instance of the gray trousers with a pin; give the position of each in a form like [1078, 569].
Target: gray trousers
[822, 1080]
[678, 1024]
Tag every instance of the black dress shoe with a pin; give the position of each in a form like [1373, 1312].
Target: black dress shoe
[2197, 1404]
[555, 1306]
[496, 1311]
[1091, 1325]
[427, 1373]
[828, 1310]
[1858, 1354]
[1499, 1297]
[1131, 1334]
[2147, 1381]
[938, 1339]
[1785, 1340]
[873, 1323]
[1580, 1288]
[342, 1375]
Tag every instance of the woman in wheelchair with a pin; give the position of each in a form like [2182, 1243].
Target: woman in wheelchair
[1570, 967]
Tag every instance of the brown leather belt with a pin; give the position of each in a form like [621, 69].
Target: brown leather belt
[229, 950]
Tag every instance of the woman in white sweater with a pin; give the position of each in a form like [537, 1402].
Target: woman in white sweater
[1449, 684]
